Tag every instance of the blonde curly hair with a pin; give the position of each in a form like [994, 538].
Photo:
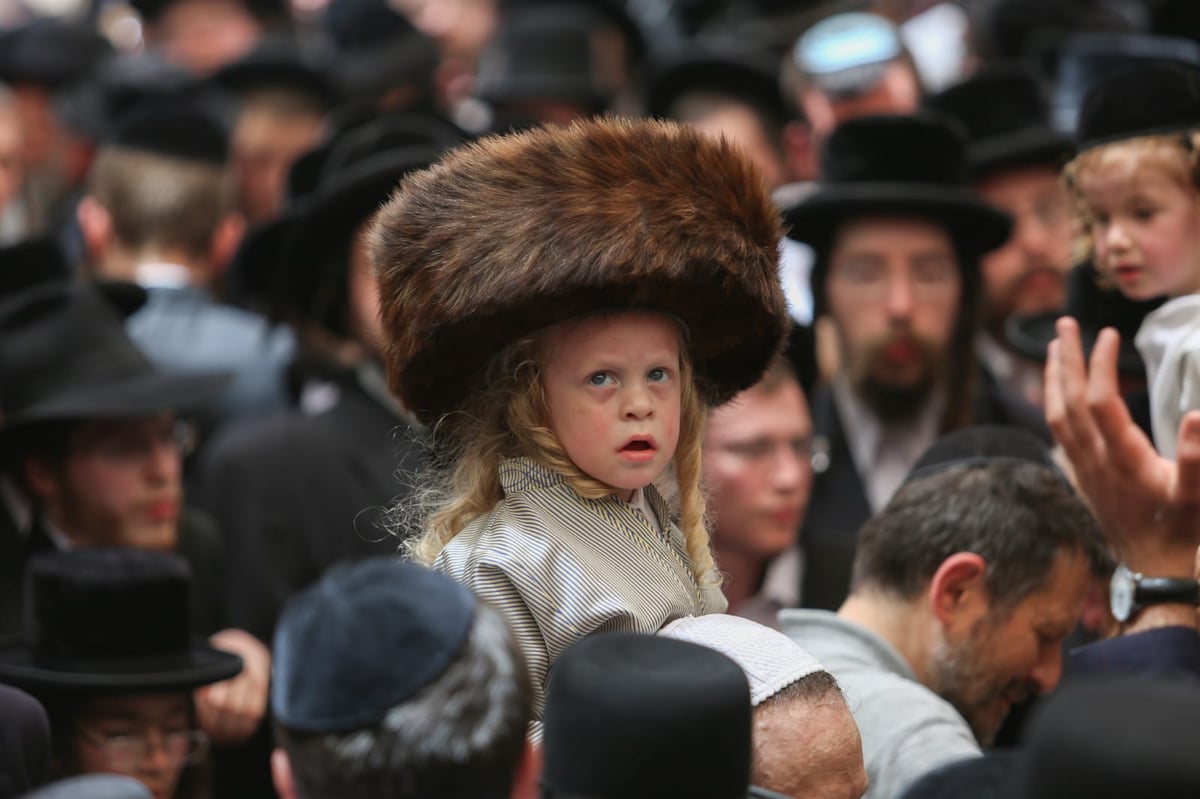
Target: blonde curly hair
[509, 418]
[1177, 154]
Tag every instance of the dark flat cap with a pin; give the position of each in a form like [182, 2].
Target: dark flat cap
[982, 445]
[364, 639]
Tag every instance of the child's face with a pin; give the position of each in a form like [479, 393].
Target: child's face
[1145, 227]
[612, 385]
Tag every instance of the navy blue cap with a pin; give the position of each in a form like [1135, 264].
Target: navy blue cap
[364, 639]
[983, 445]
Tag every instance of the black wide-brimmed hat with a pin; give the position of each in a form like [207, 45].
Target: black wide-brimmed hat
[294, 266]
[51, 53]
[707, 69]
[637, 716]
[376, 49]
[911, 166]
[64, 354]
[102, 620]
[544, 53]
[1094, 308]
[278, 63]
[1007, 120]
[1152, 98]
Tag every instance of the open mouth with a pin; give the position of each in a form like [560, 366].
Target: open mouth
[638, 446]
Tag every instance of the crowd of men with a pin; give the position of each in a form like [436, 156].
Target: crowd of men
[918, 511]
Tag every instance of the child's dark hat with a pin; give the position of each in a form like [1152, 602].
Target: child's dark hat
[110, 621]
[366, 638]
[1154, 98]
[1007, 120]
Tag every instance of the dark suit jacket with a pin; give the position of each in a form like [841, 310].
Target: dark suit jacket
[24, 743]
[838, 504]
[297, 493]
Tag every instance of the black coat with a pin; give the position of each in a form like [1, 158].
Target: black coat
[838, 504]
[298, 493]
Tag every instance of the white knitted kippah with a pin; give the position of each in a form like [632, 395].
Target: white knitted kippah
[771, 660]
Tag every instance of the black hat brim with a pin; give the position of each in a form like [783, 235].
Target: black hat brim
[202, 665]
[971, 223]
[137, 396]
[1028, 147]
[1031, 335]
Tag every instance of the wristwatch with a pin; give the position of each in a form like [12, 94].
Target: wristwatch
[1130, 591]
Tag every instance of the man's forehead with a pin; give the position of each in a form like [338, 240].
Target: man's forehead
[881, 234]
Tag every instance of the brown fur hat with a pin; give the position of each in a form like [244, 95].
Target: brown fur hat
[516, 233]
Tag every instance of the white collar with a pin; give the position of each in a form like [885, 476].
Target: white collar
[162, 275]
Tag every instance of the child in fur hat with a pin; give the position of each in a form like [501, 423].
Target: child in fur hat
[1136, 181]
[562, 306]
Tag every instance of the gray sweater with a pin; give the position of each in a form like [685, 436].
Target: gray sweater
[907, 730]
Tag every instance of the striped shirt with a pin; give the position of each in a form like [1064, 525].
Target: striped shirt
[560, 567]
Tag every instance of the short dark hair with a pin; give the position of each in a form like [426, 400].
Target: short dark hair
[1017, 517]
[463, 735]
[819, 686]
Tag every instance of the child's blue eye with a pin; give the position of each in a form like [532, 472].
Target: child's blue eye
[600, 379]
[657, 375]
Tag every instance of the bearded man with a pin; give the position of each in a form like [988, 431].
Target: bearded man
[948, 625]
[897, 235]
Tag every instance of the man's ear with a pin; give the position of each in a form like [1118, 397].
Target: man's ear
[958, 590]
[225, 241]
[528, 775]
[281, 775]
[95, 222]
[40, 478]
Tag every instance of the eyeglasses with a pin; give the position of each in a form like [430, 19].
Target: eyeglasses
[131, 443]
[760, 452]
[871, 281]
[129, 752]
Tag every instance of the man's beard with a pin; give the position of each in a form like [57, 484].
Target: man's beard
[895, 398]
[1016, 298]
[958, 674]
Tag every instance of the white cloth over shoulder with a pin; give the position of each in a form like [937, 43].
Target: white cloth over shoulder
[907, 730]
[1169, 343]
[560, 567]
[771, 660]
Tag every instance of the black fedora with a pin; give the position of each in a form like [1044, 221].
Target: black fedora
[51, 53]
[544, 53]
[636, 716]
[1007, 119]
[1146, 99]
[103, 620]
[278, 63]
[742, 75]
[64, 354]
[376, 49]
[1094, 308]
[357, 175]
[912, 165]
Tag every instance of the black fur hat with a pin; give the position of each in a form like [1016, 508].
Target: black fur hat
[1143, 100]
[517, 233]
[1007, 120]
